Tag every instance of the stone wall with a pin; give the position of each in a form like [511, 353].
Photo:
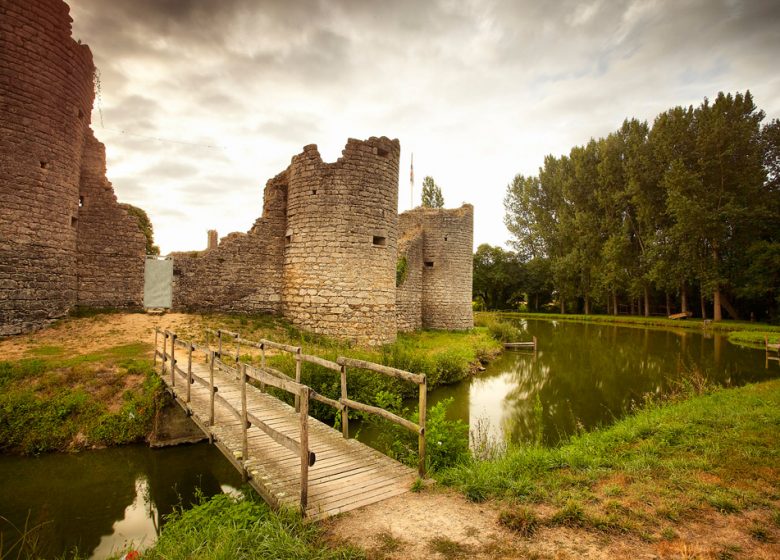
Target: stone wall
[447, 264]
[341, 242]
[110, 246]
[46, 95]
[408, 293]
[244, 272]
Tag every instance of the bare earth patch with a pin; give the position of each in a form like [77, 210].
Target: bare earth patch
[91, 334]
[440, 523]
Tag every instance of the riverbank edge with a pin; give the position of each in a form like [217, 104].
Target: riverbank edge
[741, 333]
[596, 482]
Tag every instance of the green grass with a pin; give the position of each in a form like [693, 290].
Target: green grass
[50, 403]
[718, 451]
[224, 527]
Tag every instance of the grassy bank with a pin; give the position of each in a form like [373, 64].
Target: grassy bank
[713, 454]
[50, 402]
[225, 527]
[743, 333]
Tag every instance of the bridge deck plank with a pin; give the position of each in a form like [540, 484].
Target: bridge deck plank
[346, 475]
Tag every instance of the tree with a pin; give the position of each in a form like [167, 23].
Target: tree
[145, 225]
[498, 277]
[431, 194]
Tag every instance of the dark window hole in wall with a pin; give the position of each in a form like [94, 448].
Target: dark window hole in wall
[379, 241]
[44, 164]
[445, 238]
[314, 191]
[73, 221]
[428, 264]
[382, 152]
[81, 202]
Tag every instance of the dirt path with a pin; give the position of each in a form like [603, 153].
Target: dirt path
[439, 523]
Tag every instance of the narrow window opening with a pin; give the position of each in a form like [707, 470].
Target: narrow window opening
[382, 152]
[428, 264]
[287, 240]
[44, 164]
[73, 221]
[314, 191]
[81, 202]
[379, 241]
[445, 238]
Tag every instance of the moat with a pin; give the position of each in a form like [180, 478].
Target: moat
[583, 376]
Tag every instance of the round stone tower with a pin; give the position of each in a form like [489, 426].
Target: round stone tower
[341, 240]
[46, 94]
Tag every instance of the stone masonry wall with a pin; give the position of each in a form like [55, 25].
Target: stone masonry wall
[45, 104]
[408, 293]
[447, 264]
[341, 242]
[46, 95]
[110, 246]
[244, 272]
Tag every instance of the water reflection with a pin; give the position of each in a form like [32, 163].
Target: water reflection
[587, 375]
[98, 501]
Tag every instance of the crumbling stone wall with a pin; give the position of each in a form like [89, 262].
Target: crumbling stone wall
[46, 95]
[447, 264]
[110, 246]
[409, 287]
[244, 272]
[341, 241]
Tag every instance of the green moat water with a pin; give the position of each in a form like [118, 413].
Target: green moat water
[584, 376]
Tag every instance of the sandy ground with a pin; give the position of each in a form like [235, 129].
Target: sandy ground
[439, 523]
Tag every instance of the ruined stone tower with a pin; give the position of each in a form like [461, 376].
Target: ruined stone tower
[340, 242]
[63, 239]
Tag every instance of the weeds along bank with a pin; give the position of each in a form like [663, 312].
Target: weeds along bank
[743, 333]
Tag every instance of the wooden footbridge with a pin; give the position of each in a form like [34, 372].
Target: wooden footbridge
[290, 458]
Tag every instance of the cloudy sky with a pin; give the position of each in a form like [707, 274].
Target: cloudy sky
[202, 101]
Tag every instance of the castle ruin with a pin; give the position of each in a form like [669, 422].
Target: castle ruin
[64, 240]
[329, 252]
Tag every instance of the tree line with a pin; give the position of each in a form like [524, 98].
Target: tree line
[649, 219]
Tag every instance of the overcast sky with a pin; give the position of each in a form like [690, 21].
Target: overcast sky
[203, 101]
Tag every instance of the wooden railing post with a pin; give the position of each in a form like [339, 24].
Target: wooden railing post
[298, 377]
[164, 353]
[421, 437]
[304, 442]
[244, 421]
[173, 359]
[156, 332]
[344, 410]
[238, 347]
[219, 340]
[211, 387]
[190, 348]
[262, 363]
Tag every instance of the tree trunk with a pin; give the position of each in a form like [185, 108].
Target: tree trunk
[668, 304]
[730, 309]
[647, 301]
[563, 306]
[614, 303]
[703, 307]
[631, 311]
[536, 303]
[717, 313]
[587, 305]
[683, 299]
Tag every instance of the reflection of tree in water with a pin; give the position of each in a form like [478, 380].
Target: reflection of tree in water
[588, 375]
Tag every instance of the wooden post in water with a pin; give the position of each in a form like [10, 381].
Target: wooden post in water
[421, 438]
[244, 423]
[211, 386]
[535, 347]
[304, 412]
[173, 359]
[344, 410]
[190, 348]
[298, 377]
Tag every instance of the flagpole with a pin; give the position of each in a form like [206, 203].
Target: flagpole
[411, 183]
